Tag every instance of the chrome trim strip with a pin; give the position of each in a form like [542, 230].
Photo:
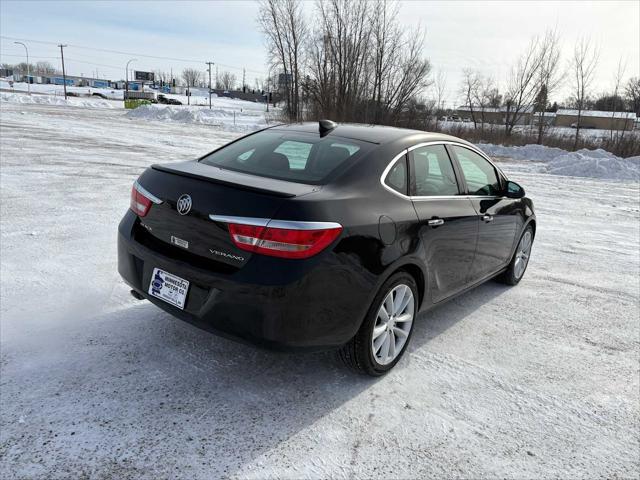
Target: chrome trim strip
[437, 197]
[256, 222]
[295, 225]
[263, 222]
[146, 193]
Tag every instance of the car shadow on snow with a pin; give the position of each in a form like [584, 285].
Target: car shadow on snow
[138, 380]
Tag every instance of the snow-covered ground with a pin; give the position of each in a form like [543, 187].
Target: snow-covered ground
[231, 115]
[539, 380]
[567, 132]
[582, 163]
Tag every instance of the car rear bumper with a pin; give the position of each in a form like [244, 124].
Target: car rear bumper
[313, 306]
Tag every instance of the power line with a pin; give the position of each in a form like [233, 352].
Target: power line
[119, 52]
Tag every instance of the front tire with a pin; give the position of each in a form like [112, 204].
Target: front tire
[385, 332]
[520, 260]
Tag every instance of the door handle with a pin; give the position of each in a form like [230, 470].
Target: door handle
[487, 218]
[435, 222]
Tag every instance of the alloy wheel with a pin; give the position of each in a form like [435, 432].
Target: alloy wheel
[393, 324]
[522, 254]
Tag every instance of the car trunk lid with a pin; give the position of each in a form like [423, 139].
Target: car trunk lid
[212, 191]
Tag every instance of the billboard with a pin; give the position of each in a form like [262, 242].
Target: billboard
[144, 76]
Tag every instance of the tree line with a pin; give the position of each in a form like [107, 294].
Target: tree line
[354, 62]
[351, 60]
[37, 69]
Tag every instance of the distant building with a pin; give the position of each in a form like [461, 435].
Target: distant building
[596, 119]
[58, 79]
[549, 118]
[493, 115]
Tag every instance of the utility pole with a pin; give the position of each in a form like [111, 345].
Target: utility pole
[64, 75]
[28, 67]
[209, 63]
[243, 80]
[217, 76]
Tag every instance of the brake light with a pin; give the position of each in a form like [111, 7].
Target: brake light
[283, 242]
[141, 200]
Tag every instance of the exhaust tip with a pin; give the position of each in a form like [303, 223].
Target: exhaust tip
[136, 295]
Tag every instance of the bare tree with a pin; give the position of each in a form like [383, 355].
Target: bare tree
[162, 77]
[485, 96]
[439, 86]
[386, 38]
[522, 85]
[357, 64]
[343, 52]
[583, 65]
[469, 89]
[44, 68]
[617, 83]
[191, 76]
[283, 24]
[227, 80]
[632, 92]
[549, 77]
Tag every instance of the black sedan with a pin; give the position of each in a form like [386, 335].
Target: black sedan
[314, 236]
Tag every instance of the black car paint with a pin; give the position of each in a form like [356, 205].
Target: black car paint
[317, 302]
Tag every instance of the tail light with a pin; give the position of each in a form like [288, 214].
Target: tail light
[141, 200]
[302, 240]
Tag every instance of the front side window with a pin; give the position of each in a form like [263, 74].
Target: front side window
[433, 172]
[292, 156]
[480, 175]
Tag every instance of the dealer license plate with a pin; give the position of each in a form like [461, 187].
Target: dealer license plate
[168, 287]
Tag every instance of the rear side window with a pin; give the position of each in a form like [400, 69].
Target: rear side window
[397, 176]
[479, 174]
[297, 157]
[433, 172]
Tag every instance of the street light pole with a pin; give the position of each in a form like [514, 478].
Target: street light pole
[28, 68]
[126, 78]
[209, 63]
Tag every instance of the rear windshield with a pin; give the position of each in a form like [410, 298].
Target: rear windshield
[297, 157]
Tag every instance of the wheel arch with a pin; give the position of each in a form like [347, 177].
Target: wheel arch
[415, 270]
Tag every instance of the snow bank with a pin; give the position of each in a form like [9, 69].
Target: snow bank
[582, 163]
[228, 119]
[54, 100]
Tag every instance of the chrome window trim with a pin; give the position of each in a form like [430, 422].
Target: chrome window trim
[386, 172]
[438, 197]
[146, 193]
[264, 222]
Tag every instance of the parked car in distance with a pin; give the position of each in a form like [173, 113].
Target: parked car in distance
[168, 101]
[316, 236]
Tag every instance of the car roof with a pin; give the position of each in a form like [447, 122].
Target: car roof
[378, 134]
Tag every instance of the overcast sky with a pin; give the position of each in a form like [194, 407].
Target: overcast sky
[484, 35]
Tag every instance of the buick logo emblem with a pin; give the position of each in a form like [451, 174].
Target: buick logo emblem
[184, 204]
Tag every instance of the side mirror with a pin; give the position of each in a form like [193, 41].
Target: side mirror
[514, 190]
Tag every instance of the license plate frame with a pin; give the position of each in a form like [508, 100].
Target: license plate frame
[169, 288]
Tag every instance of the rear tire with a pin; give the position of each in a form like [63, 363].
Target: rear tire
[386, 330]
[520, 260]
